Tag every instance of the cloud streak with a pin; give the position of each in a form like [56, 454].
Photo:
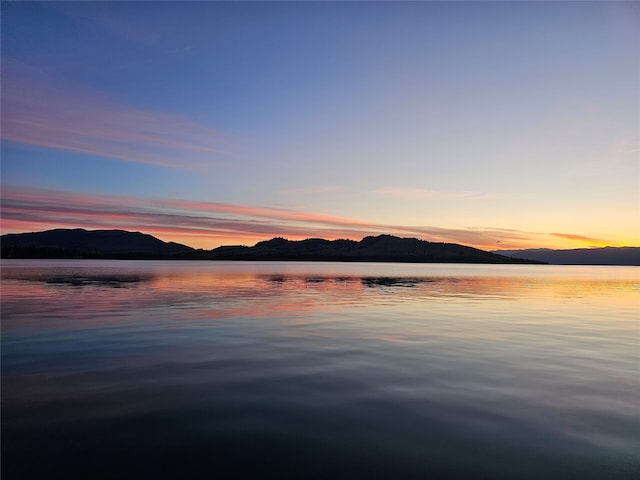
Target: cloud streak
[39, 111]
[208, 224]
[581, 238]
[425, 194]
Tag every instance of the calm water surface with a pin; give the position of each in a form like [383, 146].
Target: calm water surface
[114, 369]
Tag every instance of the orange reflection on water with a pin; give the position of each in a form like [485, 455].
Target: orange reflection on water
[85, 295]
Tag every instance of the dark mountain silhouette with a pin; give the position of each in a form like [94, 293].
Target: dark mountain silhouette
[579, 256]
[382, 248]
[64, 243]
[79, 243]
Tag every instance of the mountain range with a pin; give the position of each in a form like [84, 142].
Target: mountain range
[381, 248]
[80, 243]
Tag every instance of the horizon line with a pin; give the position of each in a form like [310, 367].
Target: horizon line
[318, 238]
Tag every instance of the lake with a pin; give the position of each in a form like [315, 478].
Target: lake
[152, 369]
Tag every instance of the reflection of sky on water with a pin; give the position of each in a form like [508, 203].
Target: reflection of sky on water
[228, 290]
[513, 373]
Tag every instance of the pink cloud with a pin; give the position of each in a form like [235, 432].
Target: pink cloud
[46, 113]
[206, 223]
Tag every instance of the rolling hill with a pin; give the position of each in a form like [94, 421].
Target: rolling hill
[579, 256]
[381, 248]
[65, 243]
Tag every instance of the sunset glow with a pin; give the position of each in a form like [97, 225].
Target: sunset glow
[496, 125]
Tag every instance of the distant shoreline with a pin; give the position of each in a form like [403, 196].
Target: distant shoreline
[125, 245]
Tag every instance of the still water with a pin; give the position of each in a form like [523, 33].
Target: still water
[120, 369]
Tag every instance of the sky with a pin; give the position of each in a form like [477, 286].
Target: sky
[499, 125]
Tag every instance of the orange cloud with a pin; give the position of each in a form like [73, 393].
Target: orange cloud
[581, 238]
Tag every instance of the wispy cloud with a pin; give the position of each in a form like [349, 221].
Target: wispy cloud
[24, 208]
[618, 153]
[311, 190]
[40, 111]
[32, 209]
[207, 224]
[424, 194]
[581, 238]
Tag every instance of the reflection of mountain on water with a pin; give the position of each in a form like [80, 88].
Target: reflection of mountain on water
[394, 281]
[95, 280]
[369, 281]
[76, 279]
[480, 286]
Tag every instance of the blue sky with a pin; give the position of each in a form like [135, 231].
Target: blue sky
[496, 124]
